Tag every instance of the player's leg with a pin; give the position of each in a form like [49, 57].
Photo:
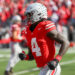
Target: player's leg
[8, 68]
[12, 62]
[57, 70]
[46, 71]
[15, 59]
[11, 70]
[15, 50]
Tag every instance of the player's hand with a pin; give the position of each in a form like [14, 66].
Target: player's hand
[22, 56]
[53, 64]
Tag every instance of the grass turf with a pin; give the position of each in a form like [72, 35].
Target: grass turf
[68, 69]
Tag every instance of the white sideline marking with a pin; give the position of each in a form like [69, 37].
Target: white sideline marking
[67, 62]
[36, 69]
[26, 71]
[4, 55]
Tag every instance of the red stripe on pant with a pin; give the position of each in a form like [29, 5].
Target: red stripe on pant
[53, 72]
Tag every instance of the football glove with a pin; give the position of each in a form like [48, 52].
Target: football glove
[22, 56]
[53, 64]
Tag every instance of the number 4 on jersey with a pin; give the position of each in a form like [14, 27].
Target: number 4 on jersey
[35, 47]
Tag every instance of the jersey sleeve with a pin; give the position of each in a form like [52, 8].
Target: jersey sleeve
[49, 26]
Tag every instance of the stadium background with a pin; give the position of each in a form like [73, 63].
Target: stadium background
[62, 12]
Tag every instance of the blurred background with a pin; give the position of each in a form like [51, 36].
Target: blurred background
[61, 12]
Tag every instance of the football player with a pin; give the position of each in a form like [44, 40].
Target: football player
[41, 35]
[15, 37]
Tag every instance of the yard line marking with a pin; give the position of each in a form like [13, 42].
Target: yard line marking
[4, 55]
[26, 71]
[67, 62]
[36, 69]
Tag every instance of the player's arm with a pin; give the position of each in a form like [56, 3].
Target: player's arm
[29, 56]
[15, 36]
[58, 37]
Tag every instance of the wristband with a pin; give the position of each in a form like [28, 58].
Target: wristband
[58, 57]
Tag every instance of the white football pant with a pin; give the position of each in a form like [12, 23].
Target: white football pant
[46, 71]
[15, 50]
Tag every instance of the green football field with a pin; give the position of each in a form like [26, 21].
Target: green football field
[29, 67]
